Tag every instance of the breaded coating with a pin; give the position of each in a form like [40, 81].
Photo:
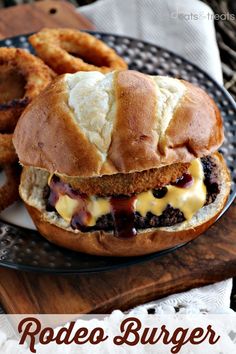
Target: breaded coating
[9, 190]
[23, 77]
[68, 50]
[129, 183]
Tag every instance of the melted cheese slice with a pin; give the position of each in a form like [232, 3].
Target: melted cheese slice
[98, 207]
[189, 200]
[66, 206]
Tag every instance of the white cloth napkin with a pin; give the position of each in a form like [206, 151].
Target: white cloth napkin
[183, 26]
[187, 28]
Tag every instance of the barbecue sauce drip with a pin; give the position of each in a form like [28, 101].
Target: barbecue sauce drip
[58, 188]
[185, 181]
[81, 215]
[123, 216]
[55, 188]
[79, 220]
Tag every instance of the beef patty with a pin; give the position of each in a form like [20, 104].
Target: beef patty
[170, 215]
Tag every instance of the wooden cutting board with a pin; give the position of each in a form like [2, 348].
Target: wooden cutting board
[29, 18]
[208, 259]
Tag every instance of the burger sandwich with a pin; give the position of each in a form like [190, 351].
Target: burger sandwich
[121, 164]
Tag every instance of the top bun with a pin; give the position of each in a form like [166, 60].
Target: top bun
[90, 124]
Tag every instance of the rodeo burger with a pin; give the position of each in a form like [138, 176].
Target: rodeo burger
[121, 164]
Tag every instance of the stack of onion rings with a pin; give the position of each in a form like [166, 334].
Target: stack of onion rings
[7, 150]
[9, 191]
[67, 51]
[35, 76]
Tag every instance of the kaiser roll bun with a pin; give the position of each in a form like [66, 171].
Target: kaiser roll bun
[89, 124]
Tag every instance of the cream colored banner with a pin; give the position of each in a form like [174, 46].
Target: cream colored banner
[118, 333]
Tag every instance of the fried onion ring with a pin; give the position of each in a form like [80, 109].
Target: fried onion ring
[21, 75]
[67, 51]
[127, 183]
[9, 191]
[7, 150]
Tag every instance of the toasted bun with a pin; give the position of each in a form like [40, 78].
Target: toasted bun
[58, 231]
[89, 124]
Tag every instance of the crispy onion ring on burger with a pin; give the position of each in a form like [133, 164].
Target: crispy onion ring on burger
[22, 77]
[67, 51]
[129, 183]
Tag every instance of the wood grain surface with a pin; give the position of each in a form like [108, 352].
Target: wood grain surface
[208, 259]
[32, 17]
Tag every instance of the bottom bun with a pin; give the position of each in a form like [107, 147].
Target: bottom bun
[102, 243]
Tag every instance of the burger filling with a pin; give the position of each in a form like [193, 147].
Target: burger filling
[166, 206]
